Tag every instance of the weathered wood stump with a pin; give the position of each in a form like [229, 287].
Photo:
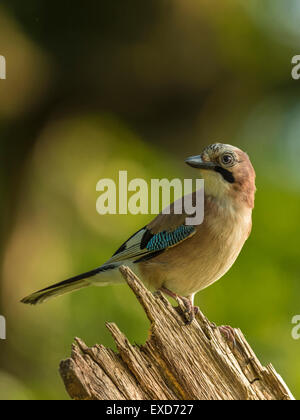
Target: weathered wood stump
[178, 361]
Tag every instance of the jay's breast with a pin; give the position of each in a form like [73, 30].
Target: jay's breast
[197, 262]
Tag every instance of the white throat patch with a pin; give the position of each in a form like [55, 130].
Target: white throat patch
[215, 185]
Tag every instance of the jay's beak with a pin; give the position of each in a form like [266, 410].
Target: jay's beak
[198, 162]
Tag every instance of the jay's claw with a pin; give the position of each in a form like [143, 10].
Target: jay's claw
[229, 333]
[196, 310]
[190, 310]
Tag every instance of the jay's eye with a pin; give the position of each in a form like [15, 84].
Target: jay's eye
[227, 159]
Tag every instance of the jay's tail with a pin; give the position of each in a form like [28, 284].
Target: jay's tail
[67, 286]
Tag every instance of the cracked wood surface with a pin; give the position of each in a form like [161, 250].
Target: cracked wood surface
[178, 361]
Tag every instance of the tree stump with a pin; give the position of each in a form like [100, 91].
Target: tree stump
[178, 361]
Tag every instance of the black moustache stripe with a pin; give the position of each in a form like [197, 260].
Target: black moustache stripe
[227, 175]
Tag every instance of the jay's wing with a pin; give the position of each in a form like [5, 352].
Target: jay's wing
[165, 231]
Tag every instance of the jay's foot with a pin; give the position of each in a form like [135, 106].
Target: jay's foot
[190, 310]
[229, 333]
[196, 310]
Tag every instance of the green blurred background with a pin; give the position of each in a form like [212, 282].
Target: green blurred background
[99, 86]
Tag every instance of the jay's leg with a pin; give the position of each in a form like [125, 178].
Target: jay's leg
[192, 311]
[188, 301]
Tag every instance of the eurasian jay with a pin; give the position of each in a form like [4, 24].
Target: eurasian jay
[179, 259]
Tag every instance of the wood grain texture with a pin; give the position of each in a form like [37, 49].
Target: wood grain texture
[178, 361]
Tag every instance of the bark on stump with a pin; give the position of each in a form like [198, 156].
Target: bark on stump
[178, 361]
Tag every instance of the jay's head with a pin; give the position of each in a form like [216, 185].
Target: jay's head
[227, 173]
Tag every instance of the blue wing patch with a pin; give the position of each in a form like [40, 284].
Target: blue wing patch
[165, 239]
[144, 245]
